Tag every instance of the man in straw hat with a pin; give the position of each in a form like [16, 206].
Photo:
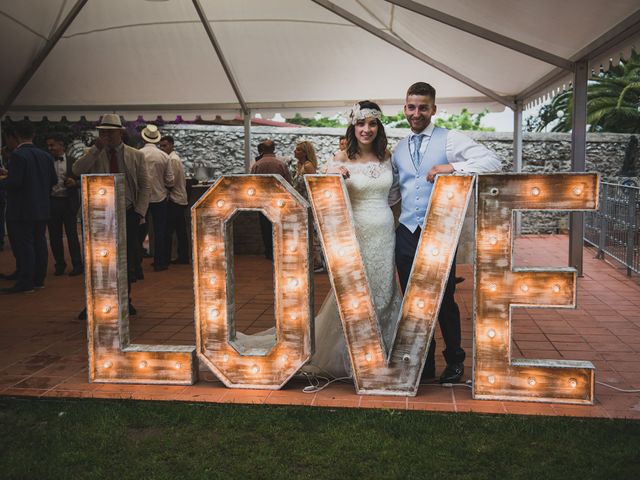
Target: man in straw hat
[161, 180]
[110, 155]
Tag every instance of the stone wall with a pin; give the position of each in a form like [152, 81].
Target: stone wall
[211, 151]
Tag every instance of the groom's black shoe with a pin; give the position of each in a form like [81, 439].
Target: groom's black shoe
[453, 373]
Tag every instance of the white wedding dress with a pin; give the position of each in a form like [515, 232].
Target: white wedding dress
[368, 187]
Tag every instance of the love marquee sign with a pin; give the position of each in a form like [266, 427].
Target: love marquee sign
[499, 287]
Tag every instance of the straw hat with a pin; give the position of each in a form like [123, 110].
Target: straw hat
[150, 134]
[110, 121]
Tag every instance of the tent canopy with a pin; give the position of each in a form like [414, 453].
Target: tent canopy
[154, 57]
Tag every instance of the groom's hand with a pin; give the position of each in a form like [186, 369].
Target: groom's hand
[439, 170]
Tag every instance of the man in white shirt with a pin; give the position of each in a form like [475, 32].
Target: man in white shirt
[417, 159]
[178, 203]
[161, 180]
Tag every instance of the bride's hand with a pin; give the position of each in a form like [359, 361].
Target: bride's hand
[344, 172]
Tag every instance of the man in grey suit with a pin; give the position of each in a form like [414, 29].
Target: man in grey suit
[111, 155]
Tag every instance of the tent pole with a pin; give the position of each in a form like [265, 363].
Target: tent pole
[578, 159]
[29, 72]
[247, 141]
[517, 154]
[223, 61]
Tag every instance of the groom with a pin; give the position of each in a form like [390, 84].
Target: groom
[417, 159]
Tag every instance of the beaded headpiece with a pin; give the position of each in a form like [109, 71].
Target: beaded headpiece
[358, 113]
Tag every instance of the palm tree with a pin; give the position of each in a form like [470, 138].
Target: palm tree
[613, 102]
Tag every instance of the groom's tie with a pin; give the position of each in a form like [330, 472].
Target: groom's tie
[417, 142]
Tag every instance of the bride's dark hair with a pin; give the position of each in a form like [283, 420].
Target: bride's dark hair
[379, 143]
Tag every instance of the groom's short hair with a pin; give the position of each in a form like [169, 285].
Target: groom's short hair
[422, 88]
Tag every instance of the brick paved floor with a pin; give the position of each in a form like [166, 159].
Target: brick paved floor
[43, 349]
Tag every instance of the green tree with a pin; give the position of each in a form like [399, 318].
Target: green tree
[613, 102]
[313, 122]
[465, 120]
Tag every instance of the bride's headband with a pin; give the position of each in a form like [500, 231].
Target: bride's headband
[358, 113]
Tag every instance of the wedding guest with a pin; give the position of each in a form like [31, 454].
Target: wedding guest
[268, 163]
[161, 180]
[343, 143]
[110, 155]
[307, 164]
[177, 204]
[417, 159]
[65, 203]
[30, 177]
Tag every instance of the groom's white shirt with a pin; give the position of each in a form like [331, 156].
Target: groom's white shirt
[462, 153]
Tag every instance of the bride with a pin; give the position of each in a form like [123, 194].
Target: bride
[366, 168]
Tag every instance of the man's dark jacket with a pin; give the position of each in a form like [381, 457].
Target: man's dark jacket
[28, 186]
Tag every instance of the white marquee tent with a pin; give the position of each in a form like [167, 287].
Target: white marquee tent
[208, 57]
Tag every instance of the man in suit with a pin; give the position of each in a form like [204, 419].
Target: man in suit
[111, 155]
[417, 159]
[65, 203]
[30, 177]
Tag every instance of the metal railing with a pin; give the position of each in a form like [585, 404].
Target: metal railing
[613, 228]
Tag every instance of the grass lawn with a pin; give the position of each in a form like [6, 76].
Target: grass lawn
[76, 439]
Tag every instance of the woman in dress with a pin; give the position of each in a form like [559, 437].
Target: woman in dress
[365, 165]
[366, 168]
[307, 165]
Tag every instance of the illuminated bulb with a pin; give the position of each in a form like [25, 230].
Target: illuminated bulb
[573, 383]
[367, 357]
[420, 303]
[491, 333]
[178, 366]
[104, 252]
[556, 288]
[292, 248]
[284, 358]
[106, 308]
[493, 240]
[143, 364]
[225, 357]
[327, 194]
[294, 282]
[342, 252]
[251, 192]
[435, 252]
[535, 191]
[220, 203]
[531, 381]
[491, 379]
[280, 203]
[493, 287]
[524, 287]
[102, 191]
[577, 191]
[213, 313]
[212, 248]
[255, 369]
[355, 304]
[449, 195]
[294, 316]
[108, 364]
[406, 358]
[213, 280]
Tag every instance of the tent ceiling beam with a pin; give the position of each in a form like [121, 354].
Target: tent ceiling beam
[51, 43]
[405, 47]
[221, 57]
[603, 44]
[484, 33]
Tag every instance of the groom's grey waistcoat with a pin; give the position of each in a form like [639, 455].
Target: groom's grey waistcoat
[414, 188]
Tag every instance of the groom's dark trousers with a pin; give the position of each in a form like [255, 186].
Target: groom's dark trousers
[449, 316]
